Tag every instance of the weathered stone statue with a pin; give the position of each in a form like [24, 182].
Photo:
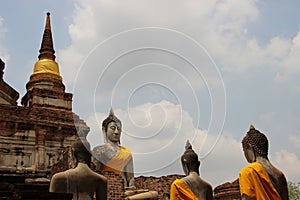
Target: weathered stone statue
[113, 157]
[81, 181]
[191, 187]
[260, 179]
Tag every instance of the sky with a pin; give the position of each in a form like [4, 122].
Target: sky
[202, 71]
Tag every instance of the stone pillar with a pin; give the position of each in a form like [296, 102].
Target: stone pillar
[40, 151]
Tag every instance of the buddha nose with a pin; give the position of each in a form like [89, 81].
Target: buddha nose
[117, 131]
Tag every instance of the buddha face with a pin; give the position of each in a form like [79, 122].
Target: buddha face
[113, 132]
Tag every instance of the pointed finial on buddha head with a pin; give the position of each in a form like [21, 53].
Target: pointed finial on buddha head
[111, 112]
[188, 145]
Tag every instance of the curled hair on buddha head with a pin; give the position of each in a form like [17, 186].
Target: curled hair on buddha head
[111, 118]
[256, 140]
[190, 158]
[82, 151]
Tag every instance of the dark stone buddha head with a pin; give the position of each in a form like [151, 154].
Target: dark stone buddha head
[189, 160]
[81, 151]
[257, 141]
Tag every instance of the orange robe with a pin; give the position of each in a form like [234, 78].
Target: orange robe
[117, 163]
[256, 184]
[180, 191]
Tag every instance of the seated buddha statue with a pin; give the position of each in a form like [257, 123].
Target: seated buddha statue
[82, 182]
[260, 179]
[112, 157]
[191, 187]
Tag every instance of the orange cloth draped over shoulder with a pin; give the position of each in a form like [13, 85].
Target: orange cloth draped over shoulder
[180, 191]
[117, 163]
[256, 184]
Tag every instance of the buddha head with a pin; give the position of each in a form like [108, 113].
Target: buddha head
[81, 151]
[111, 128]
[189, 160]
[255, 144]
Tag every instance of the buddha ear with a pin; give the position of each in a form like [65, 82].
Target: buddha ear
[104, 135]
[185, 166]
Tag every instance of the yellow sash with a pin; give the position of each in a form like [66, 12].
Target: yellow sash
[180, 191]
[255, 183]
[117, 163]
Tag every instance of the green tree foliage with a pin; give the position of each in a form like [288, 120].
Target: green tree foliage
[294, 190]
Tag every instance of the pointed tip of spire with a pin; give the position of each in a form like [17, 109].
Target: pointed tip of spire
[48, 26]
[47, 50]
[251, 127]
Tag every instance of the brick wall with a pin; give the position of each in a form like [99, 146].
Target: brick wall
[116, 190]
[115, 186]
[160, 184]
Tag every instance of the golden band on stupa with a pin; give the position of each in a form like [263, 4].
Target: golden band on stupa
[46, 68]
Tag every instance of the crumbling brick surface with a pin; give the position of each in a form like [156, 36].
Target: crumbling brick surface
[228, 191]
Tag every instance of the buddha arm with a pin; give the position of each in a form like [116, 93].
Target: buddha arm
[58, 183]
[209, 194]
[101, 192]
[284, 189]
[129, 173]
[97, 163]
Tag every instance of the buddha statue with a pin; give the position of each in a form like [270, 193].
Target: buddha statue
[82, 182]
[112, 157]
[260, 179]
[191, 187]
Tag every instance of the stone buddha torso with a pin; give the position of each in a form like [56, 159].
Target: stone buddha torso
[200, 188]
[114, 158]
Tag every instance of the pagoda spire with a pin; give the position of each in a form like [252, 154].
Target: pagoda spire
[47, 50]
[46, 67]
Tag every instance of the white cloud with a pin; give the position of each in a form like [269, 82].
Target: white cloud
[4, 55]
[289, 163]
[290, 63]
[224, 34]
[225, 161]
[236, 11]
